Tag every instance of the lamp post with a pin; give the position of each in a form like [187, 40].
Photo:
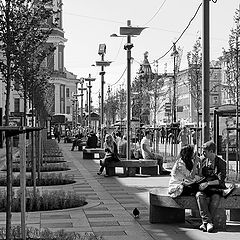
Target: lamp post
[129, 31]
[81, 95]
[89, 86]
[102, 64]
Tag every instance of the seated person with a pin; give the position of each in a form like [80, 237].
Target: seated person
[147, 154]
[111, 153]
[76, 140]
[92, 140]
[183, 179]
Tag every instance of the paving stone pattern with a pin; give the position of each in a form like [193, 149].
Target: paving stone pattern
[110, 205]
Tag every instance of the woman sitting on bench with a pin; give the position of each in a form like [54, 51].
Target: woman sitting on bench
[111, 153]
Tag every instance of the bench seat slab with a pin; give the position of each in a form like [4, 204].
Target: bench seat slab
[234, 215]
[87, 155]
[166, 215]
[152, 171]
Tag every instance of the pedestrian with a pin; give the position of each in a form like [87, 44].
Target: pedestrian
[148, 154]
[163, 133]
[213, 168]
[122, 147]
[111, 153]
[183, 136]
[57, 132]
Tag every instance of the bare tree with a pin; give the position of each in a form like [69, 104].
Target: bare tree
[195, 75]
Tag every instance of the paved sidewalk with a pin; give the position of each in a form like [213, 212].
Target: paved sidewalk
[110, 204]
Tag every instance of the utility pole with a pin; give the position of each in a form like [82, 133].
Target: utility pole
[237, 99]
[205, 74]
[174, 54]
[89, 80]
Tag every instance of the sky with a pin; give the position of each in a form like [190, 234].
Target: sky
[88, 23]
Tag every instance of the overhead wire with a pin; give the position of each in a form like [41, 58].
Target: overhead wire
[155, 14]
[119, 78]
[189, 23]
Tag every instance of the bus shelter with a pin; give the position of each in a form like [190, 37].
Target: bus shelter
[225, 131]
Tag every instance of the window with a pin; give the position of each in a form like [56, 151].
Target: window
[68, 109]
[67, 93]
[16, 105]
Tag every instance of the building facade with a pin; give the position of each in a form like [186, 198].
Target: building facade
[64, 83]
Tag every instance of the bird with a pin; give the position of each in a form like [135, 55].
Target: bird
[136, 213]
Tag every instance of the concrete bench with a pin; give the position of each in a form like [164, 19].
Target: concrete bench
[165, 209]
[150, 170]
[90, 153]
[131, 167]
[80, 144]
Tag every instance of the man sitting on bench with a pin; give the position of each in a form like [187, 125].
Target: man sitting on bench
[92, 140]
[147, 154]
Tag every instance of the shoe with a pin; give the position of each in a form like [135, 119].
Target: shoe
[165, 172]
[227, 191]
[106, 175]
[209, 227]
[203, 227]
[99, 173]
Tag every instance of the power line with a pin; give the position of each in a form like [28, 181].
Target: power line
[119, 78]
[155, 14]
[195, 14]
[95, 18]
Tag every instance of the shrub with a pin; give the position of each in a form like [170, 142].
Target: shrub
[45, 201]
[45, 180]
[35, 233]
[51, 167]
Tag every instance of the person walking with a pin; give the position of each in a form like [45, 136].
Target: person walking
[183, 137]
[163, 133]
[57, 132]
[148, 154]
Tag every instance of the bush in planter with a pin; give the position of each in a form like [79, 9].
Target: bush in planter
[51, 167]
[46, 160]
[46, 234]
[45, 180]
[45, 201]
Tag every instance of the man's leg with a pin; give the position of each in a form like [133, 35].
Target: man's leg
[203, 207]
[214, 202]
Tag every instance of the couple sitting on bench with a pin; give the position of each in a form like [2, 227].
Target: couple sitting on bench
[201, 177]
[112, 154]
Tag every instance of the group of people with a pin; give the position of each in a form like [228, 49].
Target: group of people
[201, 177]
[112, 149]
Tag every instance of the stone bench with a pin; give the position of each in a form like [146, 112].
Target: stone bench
[150, 170]
[131, 167]
[89, 153]
[165, 209]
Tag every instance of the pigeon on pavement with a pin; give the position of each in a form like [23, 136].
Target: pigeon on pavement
[136, 212]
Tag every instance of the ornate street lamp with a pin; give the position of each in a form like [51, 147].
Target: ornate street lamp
[129, 31]
[89, 86]
[102, 64]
